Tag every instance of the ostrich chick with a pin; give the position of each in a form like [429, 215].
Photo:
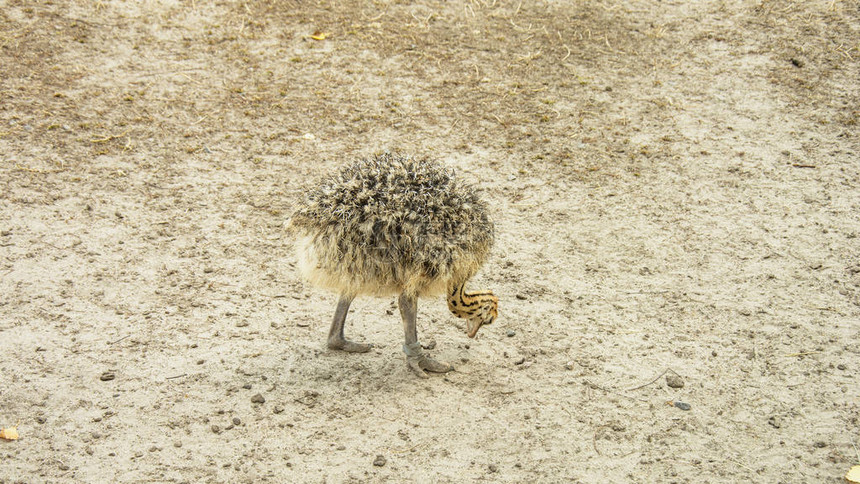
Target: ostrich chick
[396, 225]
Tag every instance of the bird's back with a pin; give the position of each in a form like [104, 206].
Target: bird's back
[391, 223]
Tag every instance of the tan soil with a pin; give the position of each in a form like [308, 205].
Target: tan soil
[675, 186]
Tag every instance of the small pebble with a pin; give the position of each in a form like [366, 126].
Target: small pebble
[775, 421]
[521, 297]
[510, 333]
[430, 345]
[237, 421]
[674, 381]
[278, 409]
[569, 365]
[841, 367]
[520, 361]
[341, 447]
[493, 468]
[154, 449]
[177, 444]
[107, 376]
[215, 429]
[246, 386]
[379, 461]
[200, 362]
[682, 405]
[64, 467]
[820, 444]
[258, 398]
[241, 324]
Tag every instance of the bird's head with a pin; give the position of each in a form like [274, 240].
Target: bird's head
[487, 312]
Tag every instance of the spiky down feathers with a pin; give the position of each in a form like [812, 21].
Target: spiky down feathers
[392, 224]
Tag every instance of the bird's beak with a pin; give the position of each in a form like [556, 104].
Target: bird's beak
[473, 327]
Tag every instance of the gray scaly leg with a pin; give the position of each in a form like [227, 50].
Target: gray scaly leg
[415, 357]
[336, 339]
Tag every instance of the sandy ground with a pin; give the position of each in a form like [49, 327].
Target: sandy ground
[674, 184]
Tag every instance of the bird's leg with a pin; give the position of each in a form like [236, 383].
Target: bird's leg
[415, 357]
[336, 340]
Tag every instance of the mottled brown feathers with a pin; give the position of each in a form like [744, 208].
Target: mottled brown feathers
[391, 224]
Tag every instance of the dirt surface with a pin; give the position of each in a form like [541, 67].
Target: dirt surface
[675, 188]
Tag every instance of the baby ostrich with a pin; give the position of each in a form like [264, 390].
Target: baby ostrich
[396, 225]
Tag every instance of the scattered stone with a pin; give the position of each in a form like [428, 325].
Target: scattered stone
[379, 461]
[820, 444]
[200, 362]
[246, 386]
[569, 365]
[89, 450]
[241, 324]
[430, 345]
[674, 381]
[493, 468]
[841, 367]
[64, 467]
[258, 398]
[521, 297]
[215, 429]
[154, 449]
[341, 447]
[510, 333]
[41, 420]
[237, 421]
[775, 421]
[177, 444]
[107, 376]
[682, 405]
[278, 409]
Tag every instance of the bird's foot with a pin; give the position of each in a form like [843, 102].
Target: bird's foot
[418, 362]
[349, 346]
